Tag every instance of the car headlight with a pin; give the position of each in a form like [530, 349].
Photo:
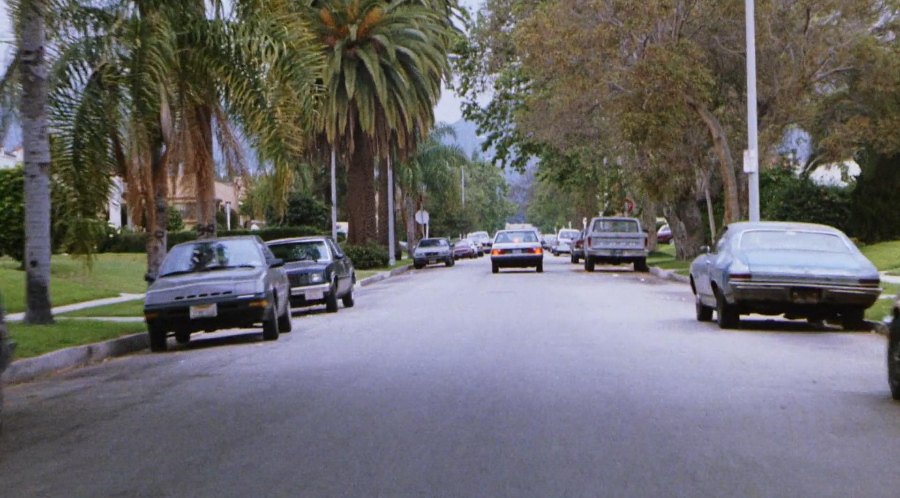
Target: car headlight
[316, 278]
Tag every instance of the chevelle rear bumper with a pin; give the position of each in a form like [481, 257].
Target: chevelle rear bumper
[804, 294]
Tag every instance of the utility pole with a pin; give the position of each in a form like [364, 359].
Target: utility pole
[751, 156]
[462, 180]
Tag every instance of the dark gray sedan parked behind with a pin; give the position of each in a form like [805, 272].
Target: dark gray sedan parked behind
[318, 271]
[799, 270]
[207, 285]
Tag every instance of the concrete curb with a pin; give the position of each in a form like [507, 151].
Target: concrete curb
[669, 275]
[28, 369]
[31, 368]
[378, 277]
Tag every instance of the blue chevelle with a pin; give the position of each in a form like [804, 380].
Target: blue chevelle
[798, 270]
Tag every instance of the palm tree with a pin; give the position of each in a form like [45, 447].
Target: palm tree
[166, 79]
[384, 65]
[32, 38]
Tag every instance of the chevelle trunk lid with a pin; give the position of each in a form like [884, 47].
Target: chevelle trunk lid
[806, 265]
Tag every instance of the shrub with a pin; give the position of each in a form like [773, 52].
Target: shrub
[12, 213]
[175, 222]
[787, 197]
[366, 257]
[874, 215]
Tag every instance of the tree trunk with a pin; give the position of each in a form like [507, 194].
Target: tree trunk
[409, 209]
[204, 172]
[36, 142]
[726, 162]
[156, 227]
[5, 357]
[382, 203]
[361, 195]
[648, 220]
[687, 226]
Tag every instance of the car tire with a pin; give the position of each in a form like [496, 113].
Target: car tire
[418, 266]
[495, 268]
[588, 264]
[331, 304]
[576, 259]
[540, 267]
[726, 314]
[348, 299]
[284, 321]
[554, 253]
[183, 337]
[641, 266]
[854, 319]
[893, 358]
[270, 330]
[449, 262]
[159, 339]
[704, 312]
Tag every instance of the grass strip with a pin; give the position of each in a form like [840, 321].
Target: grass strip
[35, 340]
[71, 281]
[884, 255]
[361, 274]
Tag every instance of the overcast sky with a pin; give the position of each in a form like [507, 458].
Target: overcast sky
[447, 110]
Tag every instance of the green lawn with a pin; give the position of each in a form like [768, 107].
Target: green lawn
[126, 309]
[35, 340]
[71, 281]
[884, 255]
[664, 257]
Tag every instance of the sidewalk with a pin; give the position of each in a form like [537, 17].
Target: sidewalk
[18, 317]
[891, 279]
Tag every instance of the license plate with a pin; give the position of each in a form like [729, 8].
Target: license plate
[204, 311]
[805, 296]
[432, 261]
[314, 294]
[617, 252]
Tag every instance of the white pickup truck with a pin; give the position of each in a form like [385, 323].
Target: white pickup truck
[615, 241]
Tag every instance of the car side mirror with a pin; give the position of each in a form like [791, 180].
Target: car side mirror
[276, 263]
[704, 249]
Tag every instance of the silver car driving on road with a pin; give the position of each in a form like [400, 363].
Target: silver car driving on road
[799, 270]
[517, 249]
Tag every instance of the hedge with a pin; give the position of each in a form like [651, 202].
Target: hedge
[366, 257]
[136, 242]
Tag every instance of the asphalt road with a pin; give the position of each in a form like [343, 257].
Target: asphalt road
[456, 382]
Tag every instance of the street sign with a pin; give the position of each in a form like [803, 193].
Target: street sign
[422, 217]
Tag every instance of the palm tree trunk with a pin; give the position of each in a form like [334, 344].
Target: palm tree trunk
[409, 208]
[205, 173]
[156, 228]
[361, 194]
[36, 143]
[382, 203]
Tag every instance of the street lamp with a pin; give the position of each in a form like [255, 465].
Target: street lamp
[228, 215]
[751, 155]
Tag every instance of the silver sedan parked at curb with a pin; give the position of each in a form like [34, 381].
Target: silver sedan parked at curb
[798, 270]
[517, 249]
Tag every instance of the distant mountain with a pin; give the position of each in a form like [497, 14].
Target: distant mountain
[466, 137]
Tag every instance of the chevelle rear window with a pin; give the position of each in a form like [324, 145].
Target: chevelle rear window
[792, 240]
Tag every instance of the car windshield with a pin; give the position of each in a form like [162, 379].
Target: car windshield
[312, 250]
[516, 237]
[479, 235]
[568, 234]
[792, 240]
[433, 243]
[615, 226]
[212, 255]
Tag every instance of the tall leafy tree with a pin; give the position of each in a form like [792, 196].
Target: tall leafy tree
[384, 66]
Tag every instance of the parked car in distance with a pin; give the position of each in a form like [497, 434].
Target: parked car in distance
[564, 239]
[615, 240]
[664, 234]
[517, 249]
[431, 251]
[482, 238]
[893, 355]
[231, 282]
[318, 271]
[577, 249]
[464, 248]
[798, 270]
